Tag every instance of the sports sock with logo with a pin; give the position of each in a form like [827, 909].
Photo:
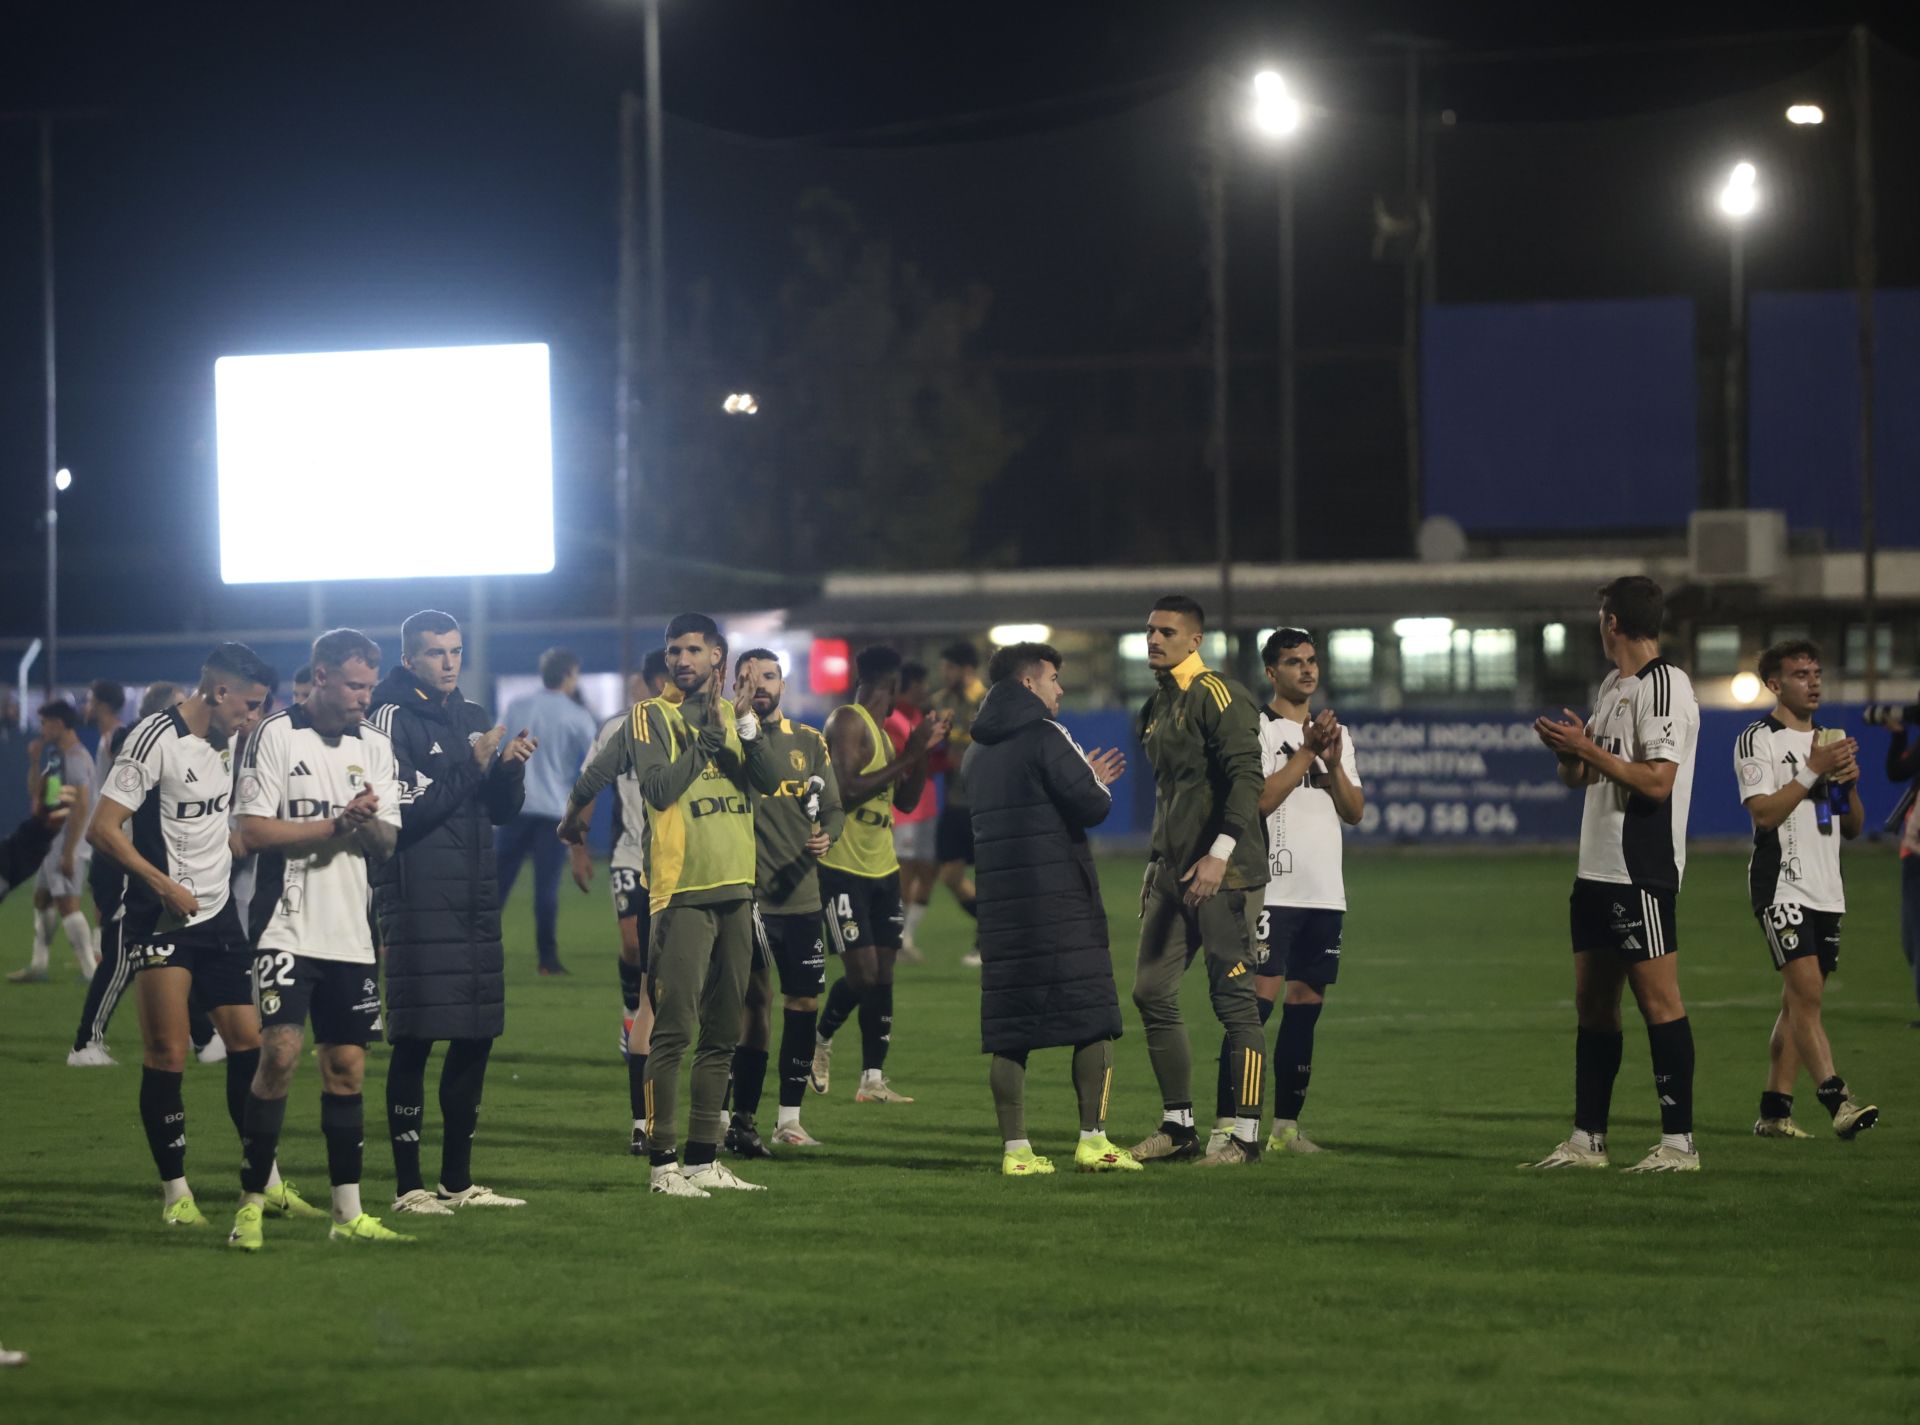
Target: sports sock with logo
[1293, 1059]
[343, 1125]
[1007, 1077]
[1596, 1064]
[629, 986]
[241, 1066]
[749, 1080]
[796, 1055]
[164, 1117]
[876, 1026]
[1832, 1095]
[1092, 1080]
[80, 937]
[260, 1140]
[1776, 1105]
[842, 1000]
[462, 1077]
[1672, 1046]
[406, 1111]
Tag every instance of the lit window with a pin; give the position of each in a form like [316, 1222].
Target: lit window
[1553, 640]
[1857, 648]
[1350, 658]
[1426, 654]
[1495, 658]
[1716, 651]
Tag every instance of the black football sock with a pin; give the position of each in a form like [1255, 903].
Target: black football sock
[199, 1025]
[164, 1117]
[260, 1140]
[842, 1000]
[1672, 1046]
[343, 1125]
[241, 1067]
[629, 986]
[406, 1108]
[970, 905]
[1293, 1059]
[1092, 1082]
[1832, 1095]
[1596, 1064]
[749, 1080]
[1223, 1096]
[462, 1078]
[698, 1153]
[637, 1086]
[876, 1026]
[1776, 1105]
[796, 1055]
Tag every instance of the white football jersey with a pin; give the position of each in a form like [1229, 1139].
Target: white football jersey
[1304, 846]
[178, 787]
[1793, 864]
[1625, 838]
[319, 898]
[628, 849]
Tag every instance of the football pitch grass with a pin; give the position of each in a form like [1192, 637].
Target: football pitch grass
[1410, 1274]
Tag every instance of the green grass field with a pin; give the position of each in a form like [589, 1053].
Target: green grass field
[1410, 1275]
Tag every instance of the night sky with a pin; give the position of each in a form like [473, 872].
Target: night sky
[293, 176]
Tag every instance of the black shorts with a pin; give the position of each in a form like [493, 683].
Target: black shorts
[953, 835]
[214, 952]
[1630, 922]
[796, 946]
[1300, 943]
[632, 901]
[861, 910]
[1794, 932]
[342, 997]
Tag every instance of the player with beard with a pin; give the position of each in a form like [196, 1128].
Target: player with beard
[792, 829]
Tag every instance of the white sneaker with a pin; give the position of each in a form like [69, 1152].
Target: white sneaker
[878, 1090]
[423, 1202]
[669, 1181]
[94, 1056]
[717, 1176]
[1217, 1139]
[1572, 1155]
[822, 1063]
[794, 1136]
[971, 959]
[12, 1358]
[477, 1196]
[214, 1051]
[1664, 1158]
[32, 975]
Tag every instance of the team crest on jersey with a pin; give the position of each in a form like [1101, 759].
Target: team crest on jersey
[356, 776]
[270, 1002]
[473, 739]
[249, 787]
[127, 779]
[1750, 773]
[799, 759]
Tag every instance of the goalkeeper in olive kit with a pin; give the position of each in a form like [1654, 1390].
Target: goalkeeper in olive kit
[698, 762]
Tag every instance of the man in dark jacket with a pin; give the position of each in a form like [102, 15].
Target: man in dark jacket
[439, 905]
[1046, 977]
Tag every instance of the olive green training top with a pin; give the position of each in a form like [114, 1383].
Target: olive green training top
[1202, 736]
[788, 880]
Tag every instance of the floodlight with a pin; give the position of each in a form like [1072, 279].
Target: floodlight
[1806, 114]
[412, 463]
[1003, 634]
[741, 403]
[62, 478]
[1742, 194]
[1745, 688]
[1275, 109]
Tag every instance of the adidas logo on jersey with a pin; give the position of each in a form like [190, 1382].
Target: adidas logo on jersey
[434, 750]
[1632, 942]
[300, 770]
[190, 776]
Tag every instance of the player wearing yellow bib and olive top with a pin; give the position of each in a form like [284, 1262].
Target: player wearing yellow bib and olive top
[860, 874]
[698, 763]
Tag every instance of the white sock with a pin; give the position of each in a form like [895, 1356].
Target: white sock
[1086, 1133]
[1181, 1116]
[871, 1076]
[1592, 1142]
[253, 1199]
[1019, 1145]
[45, 922]
[273, 1175]
[660, 1170]
[346, 1201]
[641, 1124]
[80, 937]
[787, 1116]
[1681, 1141]
[1246, 1130]
[914, 913]
[176, 1188]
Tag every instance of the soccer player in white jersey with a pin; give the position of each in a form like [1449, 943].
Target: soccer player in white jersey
[1312, 787]
[1635, 758]
[163, 821]
[1800, 783]
[317, 797]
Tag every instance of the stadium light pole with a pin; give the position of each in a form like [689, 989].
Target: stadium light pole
[52, 421]
[1277, 115]
[1739, 198]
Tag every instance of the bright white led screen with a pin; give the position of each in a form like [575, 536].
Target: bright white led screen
[384, 464]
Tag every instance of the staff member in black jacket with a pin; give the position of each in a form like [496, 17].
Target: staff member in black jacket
[439, 905]
[1046, 976]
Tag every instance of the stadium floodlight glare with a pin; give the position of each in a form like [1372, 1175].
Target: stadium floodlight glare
[62, 479]
[1276, 111]
[1745, 688]
[416, 463]
[1002, 635]
[1806, 114]
[1742, 193]
[740, 404]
